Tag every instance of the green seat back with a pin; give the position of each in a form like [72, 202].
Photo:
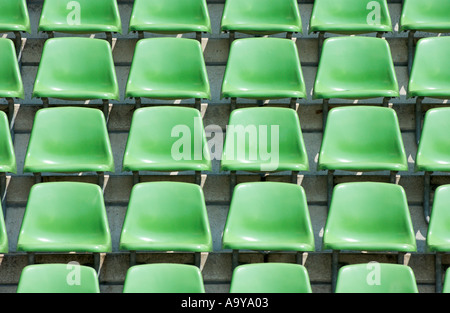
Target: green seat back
[166, 216]
[14, 16]
[438, 237]
[11, 85]
[428, 16]
[268, 216]
[7, 151]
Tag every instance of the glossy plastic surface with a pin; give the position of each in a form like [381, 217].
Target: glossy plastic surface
[177, 70]
[369, 216]
[429, 75]
[81, 16]
[74, 68]
[429, 16]
[268, 216]
[166, 216]
[69, 139]
[65, 217]
[14, 16]
[7, 153]
[376, 278]
[355, 67]
[270, 278]
[263, 68]
[350, 16]
[170, 16]
[433, 153]
[58, 278]
[164, 278]
[438, 237]
[264, 139]
[167, 139]
[362, 138]
[261, 16]
[4, 242]
[11, 85]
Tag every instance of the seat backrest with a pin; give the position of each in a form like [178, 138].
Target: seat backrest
[430, 16]
[14, 16]
[11, 85]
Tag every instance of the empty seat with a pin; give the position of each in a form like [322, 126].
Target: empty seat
[264, 139]
[65, 217]
[163, 278]
[80, 17]
[428, 78]
[166, 216]
[166, 138]
[76, 69]
[4, 242]
[261, 17]
[15, 18]
[446, 288]
[368, 216]
[69, 139]
[362, 138]
[7, 154]
[433, 151]
[270, 278]
[263, 68]
[376, 278]
[58, 278]
[355, 68]
[177, 70]
[350, 17]
[256, 222]
[431, 16]
[170, 16]
[11, 85]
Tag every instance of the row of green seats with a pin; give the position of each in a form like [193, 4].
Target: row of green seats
[249, 278]
[171, 216]
[349, 68]
[249, 16]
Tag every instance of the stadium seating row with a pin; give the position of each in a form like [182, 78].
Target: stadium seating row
[251, 16]
[263, 278]
[69, 217]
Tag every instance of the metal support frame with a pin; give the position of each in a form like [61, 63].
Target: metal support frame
[45, 102]
[198, 37]
[136, 177]
[50, 34]
[137, 103]
[321, 39]
[17, 41]
[233, 104]
[289, 35]
[334, 269]
[109, 38]
[140, 34]
[198, 104]
[330, 186]
[10, 109]
[105, 106]
[393, 177]
[380, 34]
[3, 193]
[411, 48]
[37, 178]
[133, 258]
[386, 101]
[101, 179]
[418, 118]
[294, 177]
[426, 195]
[198, 178]
[231, 36]
[325, 107]
[31, 256]
[438, 272]
[233, 182]
[293, 103]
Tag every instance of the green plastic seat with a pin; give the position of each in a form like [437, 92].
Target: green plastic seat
[7, 153]
[69, 139]
[355, 68]
[429, 77]
[263, 68]
[268, 216]
[350, 17]
[80, 17]
[429, 16]
[163, 278]
[58, 278]
[270, 278]
[261, 17]
[362, 138]
[266, 139]
[76, 69]
[376, 278]
[170, 16]
[4, 242]
[369, 216]
[65, 217]
[11, 85]
[166, 216]
[177, 70]
[446, 287]
[167, 138]
[438, 237]
[434, 147]
[14, 16]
